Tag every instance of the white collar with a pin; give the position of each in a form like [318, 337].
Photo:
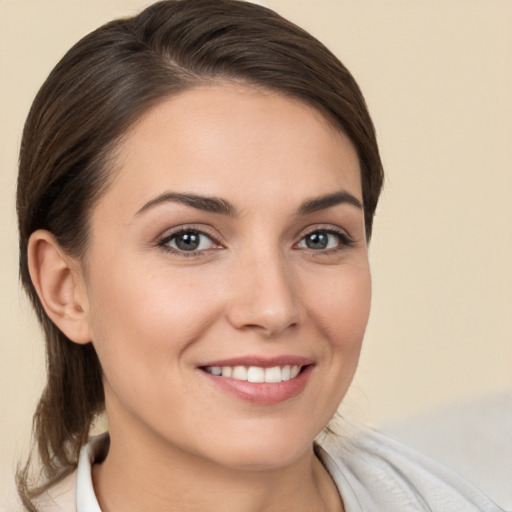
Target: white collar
[93, 451]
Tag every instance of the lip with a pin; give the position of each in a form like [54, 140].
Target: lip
[261, 393]
[261, 361]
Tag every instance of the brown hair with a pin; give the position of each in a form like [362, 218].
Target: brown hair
[94, 94]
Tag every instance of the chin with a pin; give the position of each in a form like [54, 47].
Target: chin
[261, 450]
[270, 460]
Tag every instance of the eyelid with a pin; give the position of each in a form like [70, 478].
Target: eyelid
[345, 239]
[164, 239]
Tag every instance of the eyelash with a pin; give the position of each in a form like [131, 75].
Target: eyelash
[164, 242]
[344, 241]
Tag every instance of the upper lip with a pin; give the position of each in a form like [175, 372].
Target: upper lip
[262, 361]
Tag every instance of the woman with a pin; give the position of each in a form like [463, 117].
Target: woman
[196, 192]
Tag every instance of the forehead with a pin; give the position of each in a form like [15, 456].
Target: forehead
[235, 140]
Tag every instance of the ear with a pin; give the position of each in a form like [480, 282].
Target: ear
[60, 286]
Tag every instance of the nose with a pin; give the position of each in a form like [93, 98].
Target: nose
[264, 296]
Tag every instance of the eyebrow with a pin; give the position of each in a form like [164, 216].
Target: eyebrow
[209, 204]
[223, 207]
[327, 201]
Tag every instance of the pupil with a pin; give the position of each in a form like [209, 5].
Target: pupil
[317, 241]
[188, 241]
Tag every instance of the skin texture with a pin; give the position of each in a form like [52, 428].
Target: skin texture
[155, 314]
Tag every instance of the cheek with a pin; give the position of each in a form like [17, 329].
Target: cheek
[148, 318]
[340, 307]
[342, 310]
[142, 330]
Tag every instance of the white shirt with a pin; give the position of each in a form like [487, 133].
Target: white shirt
[372, 472]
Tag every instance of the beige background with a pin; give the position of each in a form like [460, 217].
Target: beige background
[437, 76]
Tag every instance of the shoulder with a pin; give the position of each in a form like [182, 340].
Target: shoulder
[376, 473]
[60, 497]
[74, 492]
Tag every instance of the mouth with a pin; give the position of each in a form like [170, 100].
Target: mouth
[256, 374]
[259, 380]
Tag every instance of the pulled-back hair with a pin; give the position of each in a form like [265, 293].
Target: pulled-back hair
[95, 93]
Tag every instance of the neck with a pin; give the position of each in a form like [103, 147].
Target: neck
[138, 476]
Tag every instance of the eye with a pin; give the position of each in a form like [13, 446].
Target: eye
[189, 240]
[324, 240]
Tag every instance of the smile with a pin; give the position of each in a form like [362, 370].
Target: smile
[274, 374]
[260, 380]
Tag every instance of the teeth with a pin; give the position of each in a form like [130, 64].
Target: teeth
[239, 373]
[294, 371]
[256, 373]
[227, 371]
[273, 374]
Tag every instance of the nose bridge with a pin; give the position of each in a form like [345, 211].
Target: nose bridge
[265, 292]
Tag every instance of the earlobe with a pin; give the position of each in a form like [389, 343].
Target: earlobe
[59, 285]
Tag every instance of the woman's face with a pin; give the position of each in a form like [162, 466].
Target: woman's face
[232, 236]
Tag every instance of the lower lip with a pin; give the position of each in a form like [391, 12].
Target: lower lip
[264, 393]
